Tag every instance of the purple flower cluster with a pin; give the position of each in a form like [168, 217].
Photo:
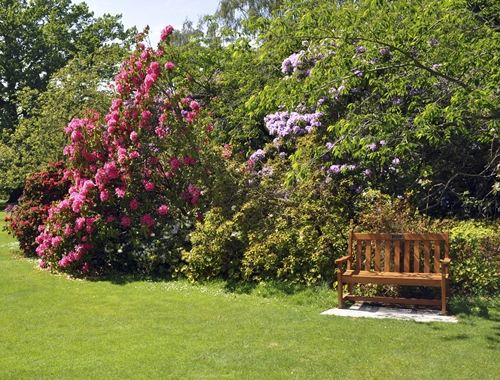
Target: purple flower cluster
[293, 63]
[374, 146]
[287, 123]
[258, 155]
[360, 49]
[266, 171]
[385, 51]
[334, 169]
[358, 73]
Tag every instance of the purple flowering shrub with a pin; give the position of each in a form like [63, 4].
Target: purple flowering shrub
[297, 63]
[276, 230]
[284, 123]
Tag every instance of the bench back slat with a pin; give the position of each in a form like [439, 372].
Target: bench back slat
[427, 256]
[420, 252]
[377, 255]
[416, 256]
[407, 256]
[368, 255]
[437, 255]
[387, 255]
[397, 255]
[358, 255]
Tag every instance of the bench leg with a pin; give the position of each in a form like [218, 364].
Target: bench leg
[443, 296]
[340, 291]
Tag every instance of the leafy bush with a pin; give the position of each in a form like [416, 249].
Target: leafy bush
[290, 233]
[378, 212]
[40, 191]
[217, 249]
[475, 254]
[405, 108]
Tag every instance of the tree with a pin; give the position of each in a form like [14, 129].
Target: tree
[38, 38]
[233, 13]
[410, 99]
[39, 137]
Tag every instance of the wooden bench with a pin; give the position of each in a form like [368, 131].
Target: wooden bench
[395, 259]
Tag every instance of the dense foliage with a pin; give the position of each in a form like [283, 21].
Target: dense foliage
[40, 37]
[408, 99]
[475, 251]
[247, 148]
[40, 191]
[328, 108]
[39, 137]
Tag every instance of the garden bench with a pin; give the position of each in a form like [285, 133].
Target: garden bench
[412, 259]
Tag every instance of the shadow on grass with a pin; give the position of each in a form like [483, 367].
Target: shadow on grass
[123, 278]
[486, 308]
[321, 296]
[268, 287]
[457, 337]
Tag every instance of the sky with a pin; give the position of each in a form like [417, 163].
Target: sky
[155, 13]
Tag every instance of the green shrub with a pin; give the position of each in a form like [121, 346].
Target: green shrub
[378, 212]
[217, 249]
[298, 244]
[475, 254]
[277, 233]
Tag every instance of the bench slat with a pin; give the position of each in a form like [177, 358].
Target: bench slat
[397, 255]
[407, 256]
[427, 256]
[396, 300]
[358, 255]
[377, 255]
[413, 279]
[368, 255]
[416, 257]
[387, 255]
[437, 256]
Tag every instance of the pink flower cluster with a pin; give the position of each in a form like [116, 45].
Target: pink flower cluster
[191, 194]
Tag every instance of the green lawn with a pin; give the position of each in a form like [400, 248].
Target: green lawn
[54, 327]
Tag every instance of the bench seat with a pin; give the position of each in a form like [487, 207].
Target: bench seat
[392, 278]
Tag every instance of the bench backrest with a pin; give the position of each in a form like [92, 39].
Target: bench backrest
[406, 252]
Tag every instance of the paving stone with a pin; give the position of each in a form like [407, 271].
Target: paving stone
[365, 310]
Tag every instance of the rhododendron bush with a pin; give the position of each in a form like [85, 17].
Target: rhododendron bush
[40, 191]
[139, 175]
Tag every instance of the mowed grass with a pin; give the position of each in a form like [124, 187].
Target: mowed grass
[55, 327]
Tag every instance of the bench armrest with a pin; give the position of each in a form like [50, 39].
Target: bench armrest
[445, 261]
[338, 262]
[444, 266]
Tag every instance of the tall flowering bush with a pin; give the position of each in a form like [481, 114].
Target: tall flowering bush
[139, 175]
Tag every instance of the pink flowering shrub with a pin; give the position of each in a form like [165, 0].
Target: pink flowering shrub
[139, 175]
[40, 191]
